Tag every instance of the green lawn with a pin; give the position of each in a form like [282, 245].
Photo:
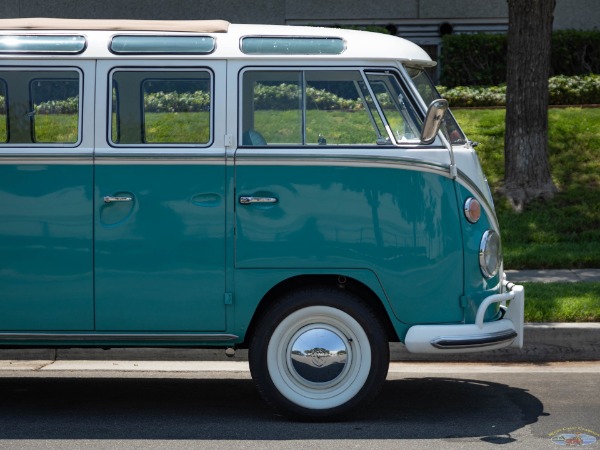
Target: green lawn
[52, 128]
[563, 232]
[181, 128]
[562, 302]
[48, 128]
[337, 127]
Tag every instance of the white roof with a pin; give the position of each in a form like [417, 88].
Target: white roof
[361, 45]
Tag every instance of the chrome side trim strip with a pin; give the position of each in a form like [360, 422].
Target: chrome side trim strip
[474, 341]
[343, 161]
[156, 161]
[37, 160]
[104, 337]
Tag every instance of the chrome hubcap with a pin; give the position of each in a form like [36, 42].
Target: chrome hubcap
[318, 354]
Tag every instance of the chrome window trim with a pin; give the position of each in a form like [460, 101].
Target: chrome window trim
[51, 145]
[407, 88]
[148, 146]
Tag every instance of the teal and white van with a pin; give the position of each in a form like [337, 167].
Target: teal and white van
[301, 192]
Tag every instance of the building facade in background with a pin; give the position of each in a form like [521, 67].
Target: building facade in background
[421, 21]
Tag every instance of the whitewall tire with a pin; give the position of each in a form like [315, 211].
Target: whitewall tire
[319, 353]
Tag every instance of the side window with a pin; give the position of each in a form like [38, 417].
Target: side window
[324, 107]
[157, 107]
[114, 115]
[55, 105]
[272, 111]
[339, 110]
[40, 106]
[429, 93]
[402, 119]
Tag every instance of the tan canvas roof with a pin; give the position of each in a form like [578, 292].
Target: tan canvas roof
[41, 23]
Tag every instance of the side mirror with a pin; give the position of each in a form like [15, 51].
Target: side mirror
[433, 120]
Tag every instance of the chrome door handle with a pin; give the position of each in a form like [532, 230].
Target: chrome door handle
[249, 200]
[109, 199]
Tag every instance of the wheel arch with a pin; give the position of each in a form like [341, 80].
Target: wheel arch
[337, 281]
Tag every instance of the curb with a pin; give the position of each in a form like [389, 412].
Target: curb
[544, 342]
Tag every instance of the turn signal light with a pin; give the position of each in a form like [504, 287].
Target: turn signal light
[472, 210]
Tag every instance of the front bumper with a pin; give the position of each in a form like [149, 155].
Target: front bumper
[477, 337]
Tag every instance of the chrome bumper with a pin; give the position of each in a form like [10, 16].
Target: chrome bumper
[477, 337]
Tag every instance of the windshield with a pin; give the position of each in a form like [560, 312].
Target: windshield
[429, 93]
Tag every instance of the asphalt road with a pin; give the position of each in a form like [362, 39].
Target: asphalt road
[422, 406]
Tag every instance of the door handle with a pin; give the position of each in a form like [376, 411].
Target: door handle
[249, 200]
[110, 199]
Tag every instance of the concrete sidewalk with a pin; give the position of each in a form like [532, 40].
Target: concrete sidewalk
[138, 368]
[553, 276]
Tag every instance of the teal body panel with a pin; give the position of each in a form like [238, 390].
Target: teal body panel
[186, 262]
[400, 224]
[477, 287]
[46, 258]
[160, 258]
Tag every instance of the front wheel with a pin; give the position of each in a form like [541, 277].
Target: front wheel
[319, 353]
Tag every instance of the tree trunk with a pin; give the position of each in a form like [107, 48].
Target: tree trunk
[527, 170]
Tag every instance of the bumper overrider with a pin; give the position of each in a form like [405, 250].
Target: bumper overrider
[477, 337]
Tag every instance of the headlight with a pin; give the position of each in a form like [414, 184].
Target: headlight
[490, 254]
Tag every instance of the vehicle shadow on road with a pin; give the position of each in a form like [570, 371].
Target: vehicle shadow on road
[230, 409]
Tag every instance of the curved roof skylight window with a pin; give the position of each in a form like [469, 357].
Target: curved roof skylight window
[260, 45]
[25, 43]
[180, 45]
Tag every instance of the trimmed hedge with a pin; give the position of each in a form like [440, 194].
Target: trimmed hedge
[575, 52]
[154, 102]
[576, 90]
[473, 59]
[175, 102]
[280, 97]
[472, 96]
[286, 96]
[480, 59]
